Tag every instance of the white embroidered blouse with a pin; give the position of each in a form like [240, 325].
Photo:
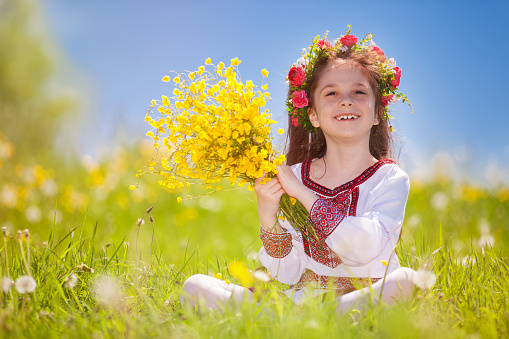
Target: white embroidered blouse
[358, 223]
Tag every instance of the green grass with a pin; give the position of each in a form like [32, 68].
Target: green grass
[89, 222]
[470, 296]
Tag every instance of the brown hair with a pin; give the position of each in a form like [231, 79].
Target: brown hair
[302, 145]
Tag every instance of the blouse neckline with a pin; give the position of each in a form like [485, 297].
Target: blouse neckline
[310, 183]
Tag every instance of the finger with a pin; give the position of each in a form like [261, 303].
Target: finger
[257, 180]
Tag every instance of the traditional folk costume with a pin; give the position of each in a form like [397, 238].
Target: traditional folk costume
[358, 225]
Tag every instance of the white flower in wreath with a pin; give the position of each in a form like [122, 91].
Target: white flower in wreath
[391, 63]
[301, 62]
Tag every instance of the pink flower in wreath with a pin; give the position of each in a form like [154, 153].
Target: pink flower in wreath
[295, 121]
[324, 44]
[397, 77]
[296, 76]
[348, 40]
[377, 50]
[386, 100]
[300, 99]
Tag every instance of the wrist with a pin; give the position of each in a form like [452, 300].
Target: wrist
[271, 225]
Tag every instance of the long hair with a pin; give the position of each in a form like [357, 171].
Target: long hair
[302, 145]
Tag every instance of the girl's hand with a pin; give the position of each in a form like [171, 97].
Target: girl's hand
[295, 189]
[268, 197]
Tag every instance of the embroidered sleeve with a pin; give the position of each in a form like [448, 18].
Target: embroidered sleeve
[325, 216]
[276, 245]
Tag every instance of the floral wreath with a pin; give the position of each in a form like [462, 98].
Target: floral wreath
[301, 71]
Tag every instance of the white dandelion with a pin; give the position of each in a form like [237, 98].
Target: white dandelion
[439, 201]
[261, 276]
[7, 284]
[71, 280]
[486, 240]
[107, 291]
[25, 284]
[425, 279]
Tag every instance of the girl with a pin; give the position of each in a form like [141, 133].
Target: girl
[338, 168]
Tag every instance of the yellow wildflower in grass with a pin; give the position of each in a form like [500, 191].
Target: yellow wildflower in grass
[239, 271]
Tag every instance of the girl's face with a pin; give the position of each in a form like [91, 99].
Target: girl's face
[343, 102]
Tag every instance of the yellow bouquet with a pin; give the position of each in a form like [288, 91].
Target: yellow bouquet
[216, 127]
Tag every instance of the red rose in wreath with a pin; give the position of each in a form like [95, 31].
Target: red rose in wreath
[296, 76]
[397, 77]
[348, 40]
[300, 99]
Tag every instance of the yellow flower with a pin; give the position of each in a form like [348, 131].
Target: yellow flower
[166, 78]
[280, 131]
[192, 75]
[235, 62]
[201, 69]
[264, 87]
[239, 271]
[293, 201]
[132, 187]
[265, 73]
[220, 66]
[176, 80]
[179, 200]
[208, 61]
[218, 276]
[385, 263]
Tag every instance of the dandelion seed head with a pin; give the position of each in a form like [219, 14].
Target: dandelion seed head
[49, 188]
[261, 276]
[25, 284]
[425, 279]
[33, 214]
[486, 240]
[107, 291]
[7, 284]
[439, 201]
[71, 280]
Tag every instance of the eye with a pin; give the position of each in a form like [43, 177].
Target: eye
[330, 94]
[359, 92]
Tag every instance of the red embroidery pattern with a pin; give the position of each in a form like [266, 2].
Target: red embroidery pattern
[326, 214]
[310, 278]
[339, 202]
[326, 192]
[276, 245]
[353, 206]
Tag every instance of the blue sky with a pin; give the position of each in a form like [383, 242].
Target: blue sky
[453, 56]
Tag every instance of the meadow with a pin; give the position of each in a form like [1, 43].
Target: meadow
[110, 262]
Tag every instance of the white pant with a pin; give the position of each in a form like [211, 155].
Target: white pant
[215, 293]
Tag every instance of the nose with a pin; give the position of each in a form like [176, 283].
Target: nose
[345, 101]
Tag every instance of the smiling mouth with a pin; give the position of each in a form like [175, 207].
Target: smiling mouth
[347, 117]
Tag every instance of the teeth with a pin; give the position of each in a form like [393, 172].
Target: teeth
[344, 117]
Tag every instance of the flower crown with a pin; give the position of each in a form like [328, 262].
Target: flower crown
[302, 70]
